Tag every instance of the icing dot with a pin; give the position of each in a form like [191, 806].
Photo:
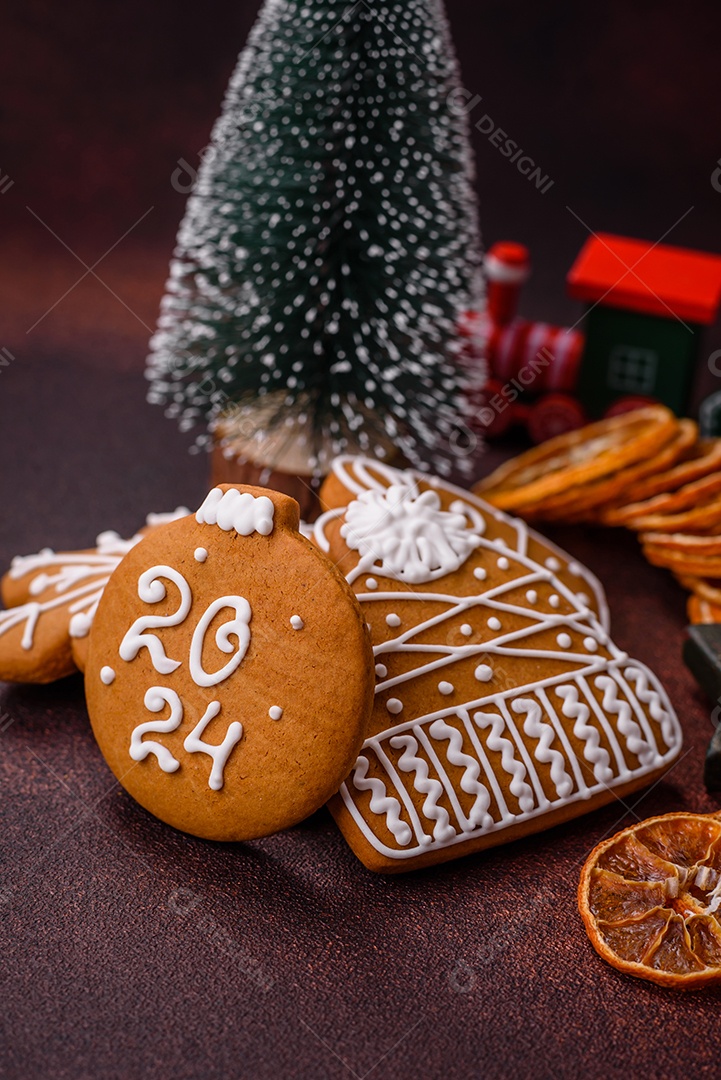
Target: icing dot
[483, 673]
[200, 554]
[371, 583]
[590, 643]
[466, 629]
[296, 622]
[532, 596]
[583, 597]
[381, 671]
[553, 564]
[446, 687]
[503, 563]
[480, 573]
[275, 712]
[564, 640]
[494, 623]
[554, 600]
[393, 705]
[107, 675]
[574, 568]
[393, 619]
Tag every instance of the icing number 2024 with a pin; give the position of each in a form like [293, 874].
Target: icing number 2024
[152, 590]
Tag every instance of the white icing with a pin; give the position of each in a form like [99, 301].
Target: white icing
[381, 671]
[107, 675]
[470, 783]
[553, 564]
[645, 693]
[239, 510]
[483, 673]
[589, 735]
[152, 520]
[480, 573]
[554, 600]
[590, 643]
[156, 698]
[494, 623]
[532, 596]
[628, 727]
[392, 620]
[371, 583]
[219, 753]
[393, 705]
[237, 628]
[409, 762]
[200, 554]
[381, 803]
[502, 563]
[446, 687]
[565, 641]
[151, 591]
[296, 622]
[407, 534]
[466, 629]
[535, 728]
[359, 474]
[275, 712]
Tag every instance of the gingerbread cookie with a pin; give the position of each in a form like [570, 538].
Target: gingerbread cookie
[351, 476]
[501, 707]
[51, 598]
[230, 674]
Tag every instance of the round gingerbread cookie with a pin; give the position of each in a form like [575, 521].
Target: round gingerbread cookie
[230, 673]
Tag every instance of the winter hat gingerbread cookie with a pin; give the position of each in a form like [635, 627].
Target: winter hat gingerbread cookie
[501, 704]
[51, 598]
[230, 674]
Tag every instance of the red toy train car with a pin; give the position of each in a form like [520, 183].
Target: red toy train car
[646, 304]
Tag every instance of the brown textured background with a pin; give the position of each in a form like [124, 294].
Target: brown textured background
[128, 950]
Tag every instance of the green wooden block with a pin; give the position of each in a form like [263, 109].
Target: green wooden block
[633, 355]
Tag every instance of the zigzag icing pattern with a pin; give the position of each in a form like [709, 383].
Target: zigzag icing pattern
[628, 727]
[544, 734]
[478, 815]
[461, 744]
[381, 803]
[509, 763]
[651, 698]
[423, 783]
[593, 752]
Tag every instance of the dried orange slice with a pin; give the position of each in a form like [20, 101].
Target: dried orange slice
[669, 502]
[650, 899]
[690, 543]
[683, 561]
[701, 611]
[705, 516]
[582, 498]
[578, 457]
[703, 460]
[705, 588]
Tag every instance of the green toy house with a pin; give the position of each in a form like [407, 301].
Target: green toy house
[647, 304]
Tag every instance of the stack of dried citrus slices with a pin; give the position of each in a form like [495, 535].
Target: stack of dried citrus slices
[650, 898]
[644, 470]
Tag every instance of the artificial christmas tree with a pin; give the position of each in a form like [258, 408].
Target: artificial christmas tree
[329, 247]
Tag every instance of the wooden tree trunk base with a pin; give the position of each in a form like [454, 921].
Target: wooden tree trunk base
[303, 489]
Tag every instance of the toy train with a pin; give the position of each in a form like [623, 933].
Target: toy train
[646, 306]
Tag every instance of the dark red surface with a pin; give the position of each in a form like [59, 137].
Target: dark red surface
[128, 950]
[131, 950]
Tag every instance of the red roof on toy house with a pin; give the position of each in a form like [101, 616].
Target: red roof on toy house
[652, 279]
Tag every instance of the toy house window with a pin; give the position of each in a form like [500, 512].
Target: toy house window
[632, 370]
